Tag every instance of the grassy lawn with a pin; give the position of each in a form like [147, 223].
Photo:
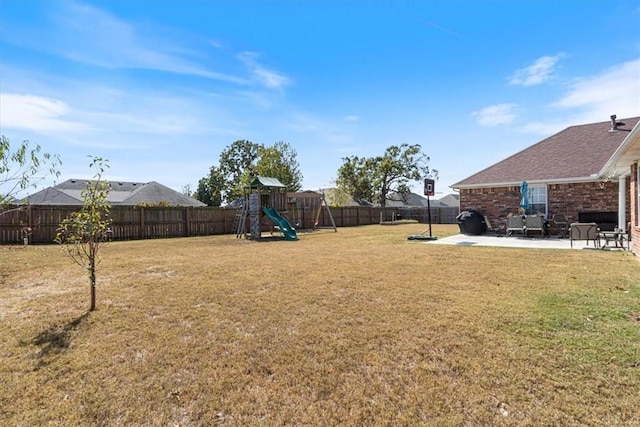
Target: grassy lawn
[359, 327]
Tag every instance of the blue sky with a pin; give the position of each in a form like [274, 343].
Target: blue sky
[160, 88]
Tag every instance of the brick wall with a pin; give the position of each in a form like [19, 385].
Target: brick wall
[565, 199]
[495, 202]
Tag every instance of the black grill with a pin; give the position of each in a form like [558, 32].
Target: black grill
[471, 223]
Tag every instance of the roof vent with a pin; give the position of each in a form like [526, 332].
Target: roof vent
[614, 124]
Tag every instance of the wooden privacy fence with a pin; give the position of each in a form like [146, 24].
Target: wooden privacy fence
[39, 223]
[440, 215]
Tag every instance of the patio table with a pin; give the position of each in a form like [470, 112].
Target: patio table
[615, 237]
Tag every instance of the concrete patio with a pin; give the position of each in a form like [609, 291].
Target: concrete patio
[516, 242]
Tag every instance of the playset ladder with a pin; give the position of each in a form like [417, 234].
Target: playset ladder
[239, 223]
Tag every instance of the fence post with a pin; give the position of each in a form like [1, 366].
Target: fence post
[224, 223]
[187, 221]
[142, 233]
[29, 219]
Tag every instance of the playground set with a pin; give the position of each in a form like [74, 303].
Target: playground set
[310, 211]
[267, 198]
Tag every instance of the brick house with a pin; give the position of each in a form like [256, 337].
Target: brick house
[624, 164]
[572, 173]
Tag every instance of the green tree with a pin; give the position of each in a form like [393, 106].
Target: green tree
[85, 232]
[354, 179]
[210, 188]
[382, 178]
[336, 197]
[280, 161]
[237, 163]
[244, 159]
[25, 167]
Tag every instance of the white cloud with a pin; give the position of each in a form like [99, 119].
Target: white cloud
[614, 91]
[37, 114]
[496, 115]
[266, 77]
[90, 35]
[86, 113]
[351, 118]
[538, 72]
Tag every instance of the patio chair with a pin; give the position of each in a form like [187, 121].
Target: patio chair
[534, 223]
[515, 224]
[562, 223]
[585, 231]
[490, 227]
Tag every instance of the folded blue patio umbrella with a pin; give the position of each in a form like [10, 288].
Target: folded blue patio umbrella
[524, 199]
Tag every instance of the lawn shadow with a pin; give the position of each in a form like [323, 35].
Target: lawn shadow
[56, 338]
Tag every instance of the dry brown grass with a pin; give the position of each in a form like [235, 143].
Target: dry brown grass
[359, 327]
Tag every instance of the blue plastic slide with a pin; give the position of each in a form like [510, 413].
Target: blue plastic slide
[286, 228]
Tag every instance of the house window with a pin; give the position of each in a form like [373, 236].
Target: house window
[537, 200]
[638, 191]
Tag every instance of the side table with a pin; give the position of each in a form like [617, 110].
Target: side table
[616, 237]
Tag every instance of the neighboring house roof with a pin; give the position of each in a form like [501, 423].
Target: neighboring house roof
[451, 200]
[306, 194]
[410, 200]
[121, 193]
[235, 204]
[578, 153]
[333, 198]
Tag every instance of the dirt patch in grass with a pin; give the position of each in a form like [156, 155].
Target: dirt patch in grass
[359, 327]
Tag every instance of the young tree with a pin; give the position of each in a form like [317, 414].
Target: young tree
[187, 191]
[376, 179]
[22, 168]
[85, 232]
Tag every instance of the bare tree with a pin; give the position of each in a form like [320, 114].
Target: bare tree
[85, 232]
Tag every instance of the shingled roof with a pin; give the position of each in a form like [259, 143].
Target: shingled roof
[121, 193]
[575, 154]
